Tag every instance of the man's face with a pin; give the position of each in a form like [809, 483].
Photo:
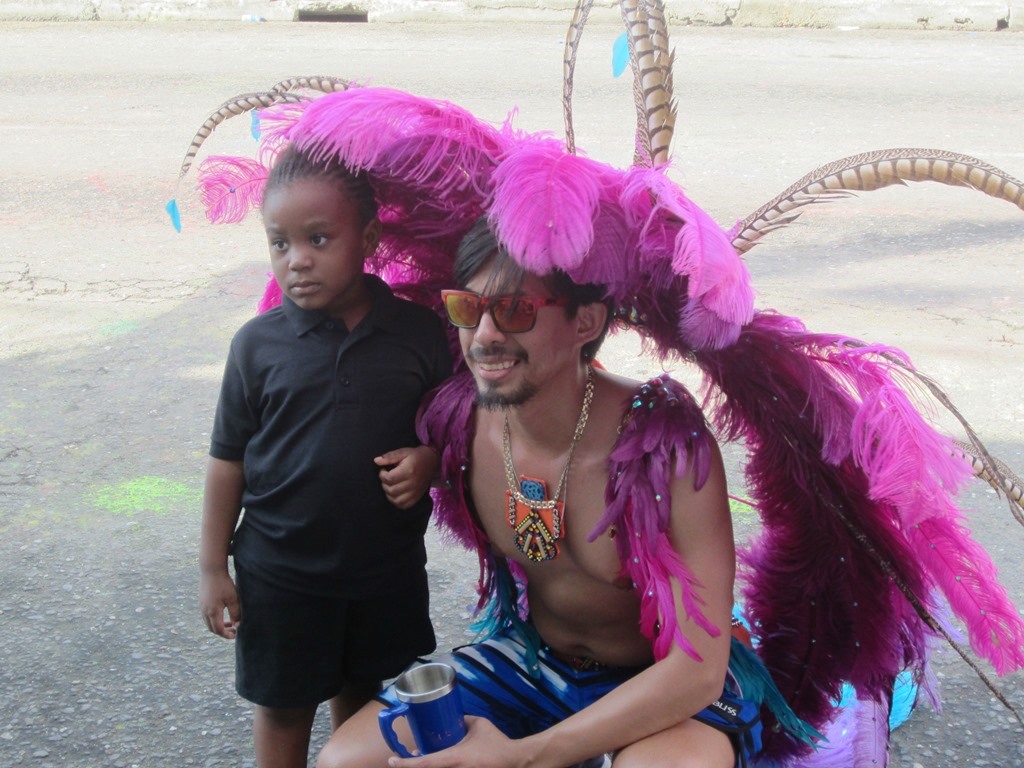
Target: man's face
[510, 368]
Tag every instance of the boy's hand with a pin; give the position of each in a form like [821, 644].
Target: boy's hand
[217, 593]
[406, 473]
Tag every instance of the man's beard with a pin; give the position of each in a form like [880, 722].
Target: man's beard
[491, 400]
[486, 395]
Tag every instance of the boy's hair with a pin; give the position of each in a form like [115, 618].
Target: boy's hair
[479, 248]
[293, 164]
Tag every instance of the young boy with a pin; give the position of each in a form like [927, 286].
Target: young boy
[314, 437]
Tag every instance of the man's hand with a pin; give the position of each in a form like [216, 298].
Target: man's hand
[217, 594]
[406, 474]
[484, 747]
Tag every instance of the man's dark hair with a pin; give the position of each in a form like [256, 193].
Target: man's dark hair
[479, 248]
[293, 164]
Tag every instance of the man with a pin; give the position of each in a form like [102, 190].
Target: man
[542, 412]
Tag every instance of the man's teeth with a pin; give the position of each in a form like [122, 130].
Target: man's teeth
[497, 366]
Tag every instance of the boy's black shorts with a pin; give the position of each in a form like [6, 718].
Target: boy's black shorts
[295, 650]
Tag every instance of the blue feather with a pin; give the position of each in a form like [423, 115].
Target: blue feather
[904, 697]
[620, 55]
[502, 612]
[172, 211]
[254, 126]
[756, 685]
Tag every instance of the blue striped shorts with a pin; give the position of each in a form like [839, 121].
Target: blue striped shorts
[495, 683]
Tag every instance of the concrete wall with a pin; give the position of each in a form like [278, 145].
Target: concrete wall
[981, 15]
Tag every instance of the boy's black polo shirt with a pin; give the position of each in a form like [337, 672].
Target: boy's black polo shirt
[306, 406]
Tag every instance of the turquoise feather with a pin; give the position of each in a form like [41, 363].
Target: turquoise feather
[620, 55]
[172, 211]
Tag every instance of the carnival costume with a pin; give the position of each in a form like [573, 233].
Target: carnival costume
[862, 544]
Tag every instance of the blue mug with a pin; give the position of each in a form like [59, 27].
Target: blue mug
[430, 703]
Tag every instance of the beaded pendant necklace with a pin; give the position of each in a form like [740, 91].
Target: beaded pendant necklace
[537, 522]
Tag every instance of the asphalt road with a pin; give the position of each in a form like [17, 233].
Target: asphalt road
[113, 328]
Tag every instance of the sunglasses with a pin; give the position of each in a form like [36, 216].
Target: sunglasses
[511, 314]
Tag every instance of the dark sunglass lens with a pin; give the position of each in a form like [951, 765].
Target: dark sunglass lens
[514, 315]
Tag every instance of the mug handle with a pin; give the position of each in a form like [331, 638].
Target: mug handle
[385, 718]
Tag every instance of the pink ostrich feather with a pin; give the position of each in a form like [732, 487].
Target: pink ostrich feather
[277, 122]
[426, 143]
[967, 577]
[719, 296]
[230, 187]
[445, 421]
[271, 296]
[823, 604]
[545, 202]
[855, 490]
[912, 467]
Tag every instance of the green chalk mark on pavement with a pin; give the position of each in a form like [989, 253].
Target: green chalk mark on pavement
[146, 494]
[119, 328]
[741, 510]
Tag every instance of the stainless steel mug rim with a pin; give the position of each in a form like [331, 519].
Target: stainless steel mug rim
[424, 683]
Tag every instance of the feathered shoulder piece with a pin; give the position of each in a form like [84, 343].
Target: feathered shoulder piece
[663, 435]
[446, 422]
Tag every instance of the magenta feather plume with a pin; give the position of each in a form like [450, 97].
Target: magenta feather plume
[277, 122]
[429, 161]
[824, 610]
[545, 202]
[655, 567]
[425, 142]
[964, 572]
[230, 187]
[271, 296]
[912, 467]
[855, 490]
[719, 296]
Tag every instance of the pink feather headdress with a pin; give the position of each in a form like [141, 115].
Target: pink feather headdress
[435, 169]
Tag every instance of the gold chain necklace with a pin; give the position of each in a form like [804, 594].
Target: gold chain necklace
[537, 522]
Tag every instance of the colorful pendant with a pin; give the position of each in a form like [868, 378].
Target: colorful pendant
[537, 529]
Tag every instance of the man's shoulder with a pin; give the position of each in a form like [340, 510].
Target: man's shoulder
[663, 401]
[654, 393]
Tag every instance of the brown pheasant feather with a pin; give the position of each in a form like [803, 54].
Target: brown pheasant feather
[874, 170]
[1003, 480]
[313, 83]
[246, 102]
[238, 105]
[652, 62]
[572, 43]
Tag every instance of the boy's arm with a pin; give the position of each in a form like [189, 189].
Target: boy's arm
[222, 504]
[406, 473]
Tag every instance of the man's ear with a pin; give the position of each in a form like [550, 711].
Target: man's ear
[590, 321]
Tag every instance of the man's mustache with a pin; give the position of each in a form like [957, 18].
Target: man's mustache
[483, 354]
